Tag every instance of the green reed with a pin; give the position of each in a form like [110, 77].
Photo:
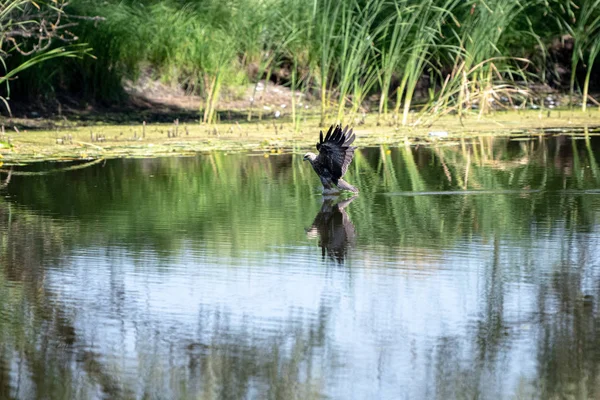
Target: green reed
[480, 76]
[354, 72]
[350, 54]
[326, 39]
[395, 33]
[582, 22]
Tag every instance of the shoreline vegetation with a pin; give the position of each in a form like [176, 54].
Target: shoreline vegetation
[394, 69]
[274, 137]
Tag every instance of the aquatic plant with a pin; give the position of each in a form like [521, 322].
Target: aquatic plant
[440, 55]
[582, 22]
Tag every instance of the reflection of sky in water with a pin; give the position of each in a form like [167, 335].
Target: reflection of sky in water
[200, 284]
[395, 324]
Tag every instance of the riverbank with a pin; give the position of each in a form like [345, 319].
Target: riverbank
[269, 137]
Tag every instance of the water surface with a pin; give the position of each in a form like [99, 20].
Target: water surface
[460, 271]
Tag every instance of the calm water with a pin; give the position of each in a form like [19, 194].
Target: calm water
[466, 271]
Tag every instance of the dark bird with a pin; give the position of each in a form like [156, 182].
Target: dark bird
[335, 155]
[333, 227]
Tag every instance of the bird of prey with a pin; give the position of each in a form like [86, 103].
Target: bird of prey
[334, 229]
[335, 155]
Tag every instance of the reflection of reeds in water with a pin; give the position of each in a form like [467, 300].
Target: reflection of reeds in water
[500, 177]
[45, 352]
[412, 210]
[591, 157]
[255, 201]
[46, 349]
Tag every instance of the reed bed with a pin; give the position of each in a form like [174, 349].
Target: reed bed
[409, 61]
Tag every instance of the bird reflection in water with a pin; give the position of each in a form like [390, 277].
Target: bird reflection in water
[333, 227]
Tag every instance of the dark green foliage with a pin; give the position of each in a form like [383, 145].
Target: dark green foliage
[338, 51]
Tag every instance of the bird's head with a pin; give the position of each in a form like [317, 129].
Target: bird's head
[310, 157]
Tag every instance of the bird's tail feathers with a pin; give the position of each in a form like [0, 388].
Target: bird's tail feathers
[342, 184]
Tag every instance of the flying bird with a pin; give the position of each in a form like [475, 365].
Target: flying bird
[335, 155]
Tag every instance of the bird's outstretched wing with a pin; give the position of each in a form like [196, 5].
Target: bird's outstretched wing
[335, 152]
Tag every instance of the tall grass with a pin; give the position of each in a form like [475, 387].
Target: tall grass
[582, 22]
[427, 22]
[395, 32]
[187, 50]
[594, 51]
[326, 39]
[481, 75]
[355, 71]
[349, 54]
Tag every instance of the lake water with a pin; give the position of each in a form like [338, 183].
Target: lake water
[460, 271]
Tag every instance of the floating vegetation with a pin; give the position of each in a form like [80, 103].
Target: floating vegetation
[163, 140]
